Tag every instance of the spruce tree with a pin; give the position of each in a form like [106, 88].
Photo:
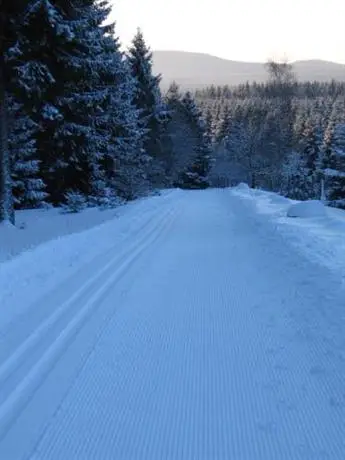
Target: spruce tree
[78, 87]
[294, 182]
[47, 45]
[148, 100]
[6, 201]
[58, 82]
[11, 13]
[224, 125]
[27, 187]
[24, 79]
[334, 164]
[310, 149]
[180, 133]
[195, 174]
[122, 166]
[209, 124]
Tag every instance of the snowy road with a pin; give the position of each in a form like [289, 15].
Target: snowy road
[203, 336]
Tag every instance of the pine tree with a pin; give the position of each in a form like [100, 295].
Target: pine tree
[269, 132]
[148, 100]
[6, 202]
[334, 164]
[232, 152]
[209, 124]
[80, 92]
[122, 168]
[224, 126]
[39, 57]
[195, 174]
[147, 96]
[60, 44]
[11, 13]
[24, 77]
[310, 149]
[81, 135]
[27, 186]
[294, 182]
[180, 134]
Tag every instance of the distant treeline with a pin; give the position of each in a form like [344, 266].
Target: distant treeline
[282, 135]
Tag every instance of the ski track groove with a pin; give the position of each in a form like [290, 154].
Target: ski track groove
[25, 347]
[128, 257]
[73, 414]
[231, 430]
[246, 364]
[18, 321]
[14, 361]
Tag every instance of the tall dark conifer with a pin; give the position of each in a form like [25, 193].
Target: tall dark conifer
[148, 99]
[11, 13]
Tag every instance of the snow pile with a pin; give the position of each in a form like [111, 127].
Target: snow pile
[265, 202]
[242, 189]
[278, 199]
[311, 208]
[320, 236]
[243, 186]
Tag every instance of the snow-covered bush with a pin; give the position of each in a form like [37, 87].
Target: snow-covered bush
[110, 199]
[192, 180]
[106, 199]
[75, 201]
[311, 208]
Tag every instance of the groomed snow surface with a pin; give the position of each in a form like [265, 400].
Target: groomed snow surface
[311, 208]
[195, 325]
[316, 231]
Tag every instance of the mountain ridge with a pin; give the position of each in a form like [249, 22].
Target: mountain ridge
[196, 70]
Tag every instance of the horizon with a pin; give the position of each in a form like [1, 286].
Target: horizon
[244, 61]
[299, 31]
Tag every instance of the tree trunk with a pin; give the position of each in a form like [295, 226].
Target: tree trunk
[253, 180]
[6, 202]
[323, 193]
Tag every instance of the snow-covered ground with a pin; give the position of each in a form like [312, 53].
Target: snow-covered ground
[320, 238]
[36, 226]
[197, 325]
[33, 227]
[51, 246]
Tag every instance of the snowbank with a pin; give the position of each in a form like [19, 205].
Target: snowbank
[320, 237]
[58, 245]
[36, 226]
[311, 208]
[242, 186]
[277, 199]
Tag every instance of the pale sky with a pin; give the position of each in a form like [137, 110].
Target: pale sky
[246, 30]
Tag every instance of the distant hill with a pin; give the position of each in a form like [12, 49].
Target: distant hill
[197, 70]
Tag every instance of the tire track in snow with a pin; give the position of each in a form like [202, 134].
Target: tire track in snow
[29, 382]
